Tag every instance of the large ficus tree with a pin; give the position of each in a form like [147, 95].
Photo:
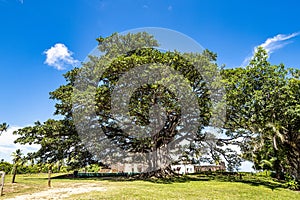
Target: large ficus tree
[121, 54]
[263, 111]
[125, 59]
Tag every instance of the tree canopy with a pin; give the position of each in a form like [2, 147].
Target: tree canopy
[58, 141]
[263, 109]
[154, 85]
[170, 76]
[131, 102]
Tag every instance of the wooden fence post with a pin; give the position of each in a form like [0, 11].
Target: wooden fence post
[2, 174]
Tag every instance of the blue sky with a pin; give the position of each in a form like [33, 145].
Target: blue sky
[30, 28]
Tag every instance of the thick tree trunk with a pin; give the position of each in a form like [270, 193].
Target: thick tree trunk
[166, 172]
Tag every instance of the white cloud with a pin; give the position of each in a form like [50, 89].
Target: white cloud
[272, 44]
[277, 42]
[59, 57]
[7, 145]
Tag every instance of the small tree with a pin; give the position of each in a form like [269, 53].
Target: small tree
[5, 166]
[17, 160]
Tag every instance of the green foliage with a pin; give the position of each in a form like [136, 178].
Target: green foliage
[5, 166]
[29, 168]
[59, 139]
[147, 96]
[263, 109]
[59, 142]
[293, 185]
[118, 50]
[3, 127]
[17, 161]
[92, 168]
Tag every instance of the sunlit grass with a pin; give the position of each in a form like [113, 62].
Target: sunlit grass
[191, 187]
[210, 189]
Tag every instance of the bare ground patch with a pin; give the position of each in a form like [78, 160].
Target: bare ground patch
[61, 192]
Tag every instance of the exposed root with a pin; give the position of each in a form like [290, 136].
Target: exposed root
[166, 172]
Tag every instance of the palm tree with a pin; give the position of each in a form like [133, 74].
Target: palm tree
[17, 160]
[3, 127]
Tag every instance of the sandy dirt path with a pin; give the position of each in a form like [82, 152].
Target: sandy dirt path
[60, 193]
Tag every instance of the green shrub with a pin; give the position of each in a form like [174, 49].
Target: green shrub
[293, 185]
[5, 166]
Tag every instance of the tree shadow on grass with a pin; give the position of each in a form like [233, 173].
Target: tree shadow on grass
[246, 178]
[234, 177]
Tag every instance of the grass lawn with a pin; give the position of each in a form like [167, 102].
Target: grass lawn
[192, 187]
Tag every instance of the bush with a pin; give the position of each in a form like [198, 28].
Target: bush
[5, 166]
[91, 168]
[293, 185]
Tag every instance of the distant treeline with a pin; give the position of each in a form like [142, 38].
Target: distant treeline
[43, 168]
